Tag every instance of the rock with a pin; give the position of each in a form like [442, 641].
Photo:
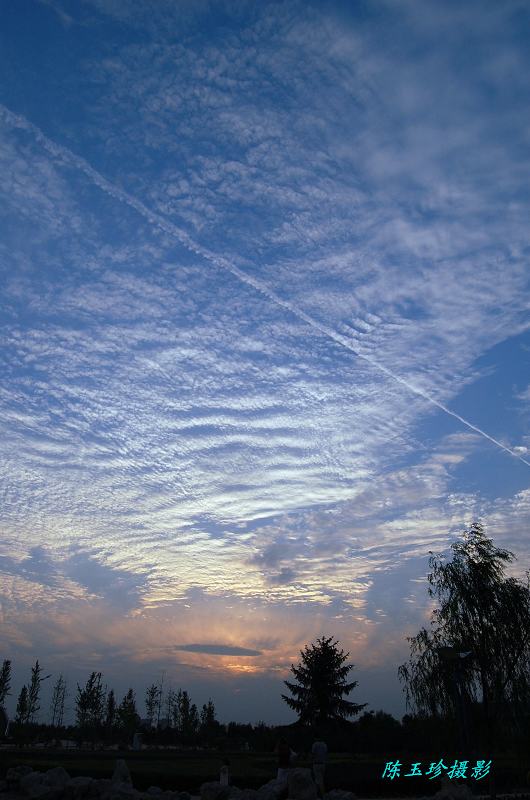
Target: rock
[32, 784]
[339, 794]
[184, 796]
[453, 791]
[301, 785]
[3, 786]
[234, 792]
[121, 791]
[154, 790]
[79, 788]
[121, 773]
[248, 794]
[273, 790]
[100, 787]
[214, 791]
[14, 774]
[56, 778]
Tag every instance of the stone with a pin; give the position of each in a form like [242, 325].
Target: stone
[79, 788]
[100, 787]
[248, 794]
[32, 784]
[122, 791]
[339, 794]
[121, 773]
[273, 790]
[301, 785]
[154, 790]
[214, 791]
[14, 774]
[453, 791]
[57, 778]
[3, 786]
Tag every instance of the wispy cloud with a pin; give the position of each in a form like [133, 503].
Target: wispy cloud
[244, 277]
[264, 323]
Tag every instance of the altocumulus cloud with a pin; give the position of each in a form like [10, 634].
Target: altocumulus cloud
[189, 455]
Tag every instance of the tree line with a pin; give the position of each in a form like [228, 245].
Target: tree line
[467, 679]
[468, 672]
[98, 712]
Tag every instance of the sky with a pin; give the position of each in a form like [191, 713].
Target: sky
[265, 332]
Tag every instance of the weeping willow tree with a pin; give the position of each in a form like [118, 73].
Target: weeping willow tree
[478, 648]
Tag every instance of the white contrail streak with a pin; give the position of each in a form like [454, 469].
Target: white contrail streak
[66, 156]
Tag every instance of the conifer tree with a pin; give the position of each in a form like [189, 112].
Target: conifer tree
[318, 695]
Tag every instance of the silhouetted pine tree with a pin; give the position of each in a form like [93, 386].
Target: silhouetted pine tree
[321, 684]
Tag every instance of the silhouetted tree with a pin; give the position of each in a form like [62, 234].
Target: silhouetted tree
[188, 716]
[160, 696]
[172, 708]
[209, 726]
[193, 721]
[90, 702]
[127, 716]
[28, 699]
[110, 711]
[481, 614]
[318, 695]
[5, 681]
[378, 730]
[57, 703]
[152, 697]
[208, 720]
[34, 691]
[22, 706]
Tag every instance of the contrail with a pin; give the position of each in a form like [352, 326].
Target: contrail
[66, 156]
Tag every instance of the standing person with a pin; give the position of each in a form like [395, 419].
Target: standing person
[285, 756]
[319, 752]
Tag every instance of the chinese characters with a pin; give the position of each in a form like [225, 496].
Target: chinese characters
[459, 769]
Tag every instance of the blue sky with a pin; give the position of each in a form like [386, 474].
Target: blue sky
[265, 330]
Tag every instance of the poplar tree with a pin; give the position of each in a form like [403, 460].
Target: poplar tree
[5, 681]
[152, 697]
[90, 702]
[22, 706]
[57, 703]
